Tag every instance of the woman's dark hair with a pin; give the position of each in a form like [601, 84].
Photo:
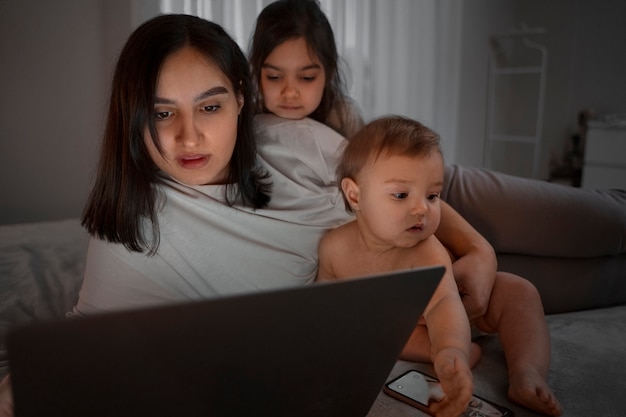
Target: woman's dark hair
[124, 197]
[288, 19]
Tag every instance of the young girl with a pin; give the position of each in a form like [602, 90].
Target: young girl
[294, 61]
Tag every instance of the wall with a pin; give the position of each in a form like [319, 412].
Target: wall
[586, 66]
[56, 60]
[480, 19]
[587, 62]
[54, 69]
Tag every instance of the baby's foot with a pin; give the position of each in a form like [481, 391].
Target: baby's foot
[529, 389]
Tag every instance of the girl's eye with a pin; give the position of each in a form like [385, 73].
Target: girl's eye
[400, 196]
[272, 77]
[308, 79]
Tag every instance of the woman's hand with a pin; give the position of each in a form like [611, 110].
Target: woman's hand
[6, 398]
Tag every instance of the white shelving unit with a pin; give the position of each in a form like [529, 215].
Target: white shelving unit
[515, 101]
[605, 157]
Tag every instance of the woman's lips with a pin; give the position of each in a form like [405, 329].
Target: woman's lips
[193, 161]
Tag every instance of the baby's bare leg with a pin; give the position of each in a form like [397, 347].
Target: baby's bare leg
[417, 349]
[515, 312]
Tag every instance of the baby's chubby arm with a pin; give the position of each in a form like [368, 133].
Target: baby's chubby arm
[450, 337]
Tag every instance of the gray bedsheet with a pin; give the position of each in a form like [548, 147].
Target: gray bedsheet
[41, 267]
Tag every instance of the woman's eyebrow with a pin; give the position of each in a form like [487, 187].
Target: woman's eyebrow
[211, 92]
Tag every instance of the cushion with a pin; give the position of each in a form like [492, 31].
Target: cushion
[532, 217]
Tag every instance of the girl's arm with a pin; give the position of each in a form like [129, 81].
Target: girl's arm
[474, 260]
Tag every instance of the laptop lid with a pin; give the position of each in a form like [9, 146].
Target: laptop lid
[320, 350]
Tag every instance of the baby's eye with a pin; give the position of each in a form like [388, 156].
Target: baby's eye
[400, 196]
[433, 196]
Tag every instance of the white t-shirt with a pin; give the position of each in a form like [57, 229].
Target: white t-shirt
[209, 249]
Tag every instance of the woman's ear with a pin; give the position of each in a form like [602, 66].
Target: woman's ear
[240, 101]
[351, 190]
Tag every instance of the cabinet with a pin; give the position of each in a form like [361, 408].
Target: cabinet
[605, 157]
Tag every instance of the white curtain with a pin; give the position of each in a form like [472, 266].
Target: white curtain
[399, 56]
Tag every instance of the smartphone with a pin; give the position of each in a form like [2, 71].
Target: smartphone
[419, 389]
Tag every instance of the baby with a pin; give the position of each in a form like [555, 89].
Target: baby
[391, 176]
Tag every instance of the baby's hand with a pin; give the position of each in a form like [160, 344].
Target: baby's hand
[455, 376]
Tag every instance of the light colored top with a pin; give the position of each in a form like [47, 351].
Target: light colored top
[209, 249]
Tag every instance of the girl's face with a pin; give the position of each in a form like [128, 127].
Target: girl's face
[292, 80]
[396, 199]
[196, 113]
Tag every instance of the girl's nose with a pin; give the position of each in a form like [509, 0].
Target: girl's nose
[290, 91]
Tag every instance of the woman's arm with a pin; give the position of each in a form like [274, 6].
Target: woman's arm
[474, 260]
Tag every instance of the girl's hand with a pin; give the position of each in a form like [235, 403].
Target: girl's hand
[474, 261]
[6, 398]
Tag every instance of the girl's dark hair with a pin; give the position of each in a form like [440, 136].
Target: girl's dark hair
[283, 20]
[392, 135]
[124, 197]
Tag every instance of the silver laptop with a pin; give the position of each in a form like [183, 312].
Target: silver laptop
[320, 350]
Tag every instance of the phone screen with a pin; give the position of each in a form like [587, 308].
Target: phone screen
[422, 389]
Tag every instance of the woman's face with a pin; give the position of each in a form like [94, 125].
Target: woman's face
[292, 80]
[196, 111]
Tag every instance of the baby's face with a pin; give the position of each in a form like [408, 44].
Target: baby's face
[399, 197]
[292, 80]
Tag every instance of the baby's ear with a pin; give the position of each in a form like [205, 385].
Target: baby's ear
[351, 190]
